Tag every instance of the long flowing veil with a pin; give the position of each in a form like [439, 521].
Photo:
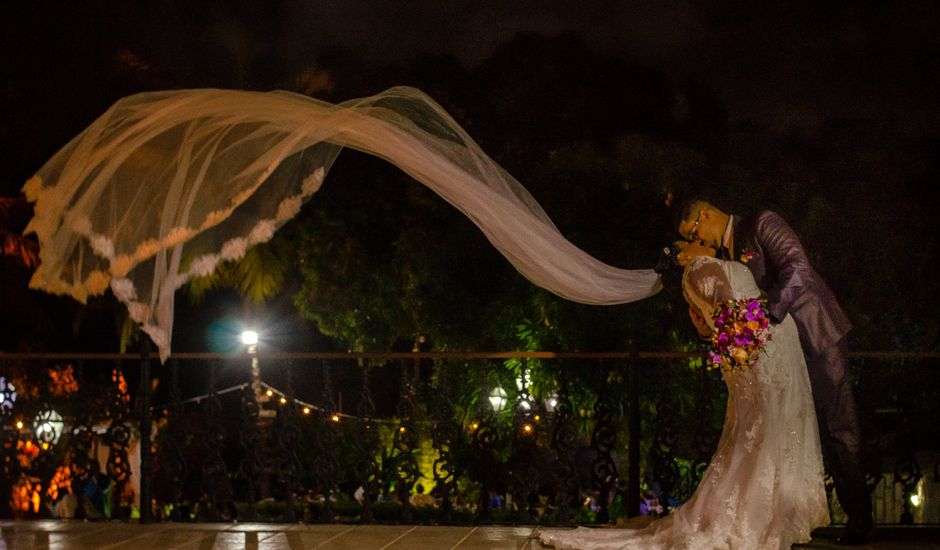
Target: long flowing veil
[165, 185]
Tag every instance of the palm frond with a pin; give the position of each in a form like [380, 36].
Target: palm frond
[257, 276]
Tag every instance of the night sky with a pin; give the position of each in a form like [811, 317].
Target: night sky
[782, 64]
[785, 63]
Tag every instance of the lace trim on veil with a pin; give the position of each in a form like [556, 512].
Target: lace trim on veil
[123, 288]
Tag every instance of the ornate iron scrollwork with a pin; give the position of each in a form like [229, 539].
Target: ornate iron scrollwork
[251, 467]
[665, 470]
[327, 434]
[367, 444]
[404, 443]
[523, 474]
[603, 439]
[9, 466]
[446, 435]
[563, 443]
[82, 463]
[216, 488]
[118, 437]
[288, 435]
[172, 466]
[484, 438]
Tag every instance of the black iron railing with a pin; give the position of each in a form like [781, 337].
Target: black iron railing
[507, 437]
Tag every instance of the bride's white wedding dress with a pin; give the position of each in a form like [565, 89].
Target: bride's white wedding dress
[764, 486]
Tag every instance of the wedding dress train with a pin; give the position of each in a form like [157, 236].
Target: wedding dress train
[763, 488]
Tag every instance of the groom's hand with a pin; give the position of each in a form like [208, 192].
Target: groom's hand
[701, 325]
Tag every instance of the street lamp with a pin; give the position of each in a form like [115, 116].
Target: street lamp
[48, 427]
[250, 339]
[498, 398]
[7, 395]
[550, 403]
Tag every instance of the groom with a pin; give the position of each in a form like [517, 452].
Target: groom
[774, 254]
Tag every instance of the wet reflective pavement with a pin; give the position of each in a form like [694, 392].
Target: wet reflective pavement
[22, 535]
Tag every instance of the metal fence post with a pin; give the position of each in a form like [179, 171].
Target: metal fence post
[633, 473]
[145, 424]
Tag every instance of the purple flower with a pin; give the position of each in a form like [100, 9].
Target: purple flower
[743, 340]
[753, 311]
[715, 358]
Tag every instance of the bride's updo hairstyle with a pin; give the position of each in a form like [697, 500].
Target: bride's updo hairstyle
[668, 268]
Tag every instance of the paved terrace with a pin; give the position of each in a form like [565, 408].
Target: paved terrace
[78, 535]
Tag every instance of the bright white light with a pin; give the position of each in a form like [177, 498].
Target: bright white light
[551, 403]
[249, 338]
[523, 383]
[525, 405]
[915, 499]
[49, 423]
[7, 394]
[498, 399]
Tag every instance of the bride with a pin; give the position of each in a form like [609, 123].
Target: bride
[764, 486]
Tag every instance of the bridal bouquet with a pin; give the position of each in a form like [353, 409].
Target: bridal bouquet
[742, 327]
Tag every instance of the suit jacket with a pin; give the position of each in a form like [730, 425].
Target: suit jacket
[776, 258]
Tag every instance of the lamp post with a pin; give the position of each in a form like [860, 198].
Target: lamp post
[250, 339]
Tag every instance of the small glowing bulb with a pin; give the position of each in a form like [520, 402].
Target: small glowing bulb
[45, 447]
[269, 393]
[537, 418]
[283, 401]
[249, 338]
[19, 425]
[402, 429]
[527, 428]
[306, 410]
[335, 418]
[915, 500]
[475, 425]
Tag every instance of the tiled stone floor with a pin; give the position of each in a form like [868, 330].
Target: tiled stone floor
[68, 535]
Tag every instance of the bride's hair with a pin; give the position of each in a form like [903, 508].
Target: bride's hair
[668, 268]
[668, 260]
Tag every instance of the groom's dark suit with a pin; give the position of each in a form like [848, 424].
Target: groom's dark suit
[775, 256]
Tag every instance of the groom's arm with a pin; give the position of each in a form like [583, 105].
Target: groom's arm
[701, 325]
[787, 259]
